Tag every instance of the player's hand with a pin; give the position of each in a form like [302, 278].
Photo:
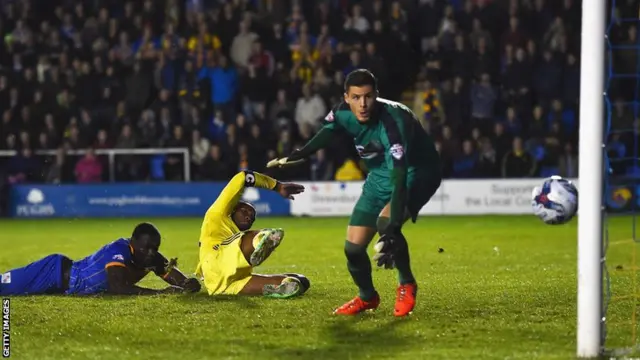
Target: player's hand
[283, 162]
[292, 159]
[295, 156]
[386, 249]
[287, 190]
[385, 252]
[191, 285]
[171, 265]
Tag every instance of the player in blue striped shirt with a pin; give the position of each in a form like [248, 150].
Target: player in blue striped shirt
[114, 269]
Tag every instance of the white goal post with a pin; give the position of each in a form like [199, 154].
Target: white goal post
[590, 321]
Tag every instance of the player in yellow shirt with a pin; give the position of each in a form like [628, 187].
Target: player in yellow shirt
[229, 250]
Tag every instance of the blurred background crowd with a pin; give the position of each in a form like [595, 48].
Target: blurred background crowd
[238, 82]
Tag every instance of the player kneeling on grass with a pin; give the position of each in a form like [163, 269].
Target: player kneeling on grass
[229, 250]
[114, 269]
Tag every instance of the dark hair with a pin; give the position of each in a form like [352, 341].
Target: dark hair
[248, 204]
[143, 229]
[359, 78]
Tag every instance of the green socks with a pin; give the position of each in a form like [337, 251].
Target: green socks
[403, 264]
[405, 276]
[359, 266]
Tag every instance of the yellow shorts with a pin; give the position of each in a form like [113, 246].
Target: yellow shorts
[224, 268]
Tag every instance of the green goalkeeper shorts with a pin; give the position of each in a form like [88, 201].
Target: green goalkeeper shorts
[376, 194]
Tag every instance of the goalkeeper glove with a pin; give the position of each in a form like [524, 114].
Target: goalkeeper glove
[386, 249]
[285, 161]
[388, 245]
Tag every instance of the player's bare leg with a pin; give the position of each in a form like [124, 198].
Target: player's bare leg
[407, 288]
[256, 246]
[359, 265]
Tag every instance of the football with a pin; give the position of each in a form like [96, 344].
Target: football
[556, 201]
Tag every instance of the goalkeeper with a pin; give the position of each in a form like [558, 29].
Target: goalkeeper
[229, 250]
[404, 173]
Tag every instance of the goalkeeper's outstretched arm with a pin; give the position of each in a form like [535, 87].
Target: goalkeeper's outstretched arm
[321, 140]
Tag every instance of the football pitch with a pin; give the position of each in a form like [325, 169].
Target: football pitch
[491, 287]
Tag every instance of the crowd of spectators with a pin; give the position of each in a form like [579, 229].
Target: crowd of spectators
[238, 82]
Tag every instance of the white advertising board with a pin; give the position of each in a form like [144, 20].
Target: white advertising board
[454, 197]
[326, 198]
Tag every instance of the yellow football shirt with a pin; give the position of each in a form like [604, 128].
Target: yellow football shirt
[217, 226]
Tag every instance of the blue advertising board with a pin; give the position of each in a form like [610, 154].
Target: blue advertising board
[129, 200]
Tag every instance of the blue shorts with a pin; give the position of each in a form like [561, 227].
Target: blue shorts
[40, 277]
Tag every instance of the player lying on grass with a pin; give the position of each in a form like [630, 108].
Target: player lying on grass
[404, 172]
[229, 250]
[114, 269]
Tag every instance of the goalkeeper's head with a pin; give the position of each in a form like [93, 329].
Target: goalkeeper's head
[244, 215]
[360, 93]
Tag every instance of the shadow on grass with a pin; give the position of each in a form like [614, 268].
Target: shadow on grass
[202, 299]
[345, 338]
[249, 301]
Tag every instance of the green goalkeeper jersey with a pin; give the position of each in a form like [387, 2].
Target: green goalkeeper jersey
[392, 135]
[392, 143]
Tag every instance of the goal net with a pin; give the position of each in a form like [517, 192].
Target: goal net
[607, 254]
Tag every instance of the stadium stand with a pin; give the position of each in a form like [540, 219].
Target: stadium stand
[238, 82]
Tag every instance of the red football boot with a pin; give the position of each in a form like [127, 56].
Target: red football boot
[357, 305]
[405, 299]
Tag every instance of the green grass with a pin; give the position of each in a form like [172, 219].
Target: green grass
[504, 288]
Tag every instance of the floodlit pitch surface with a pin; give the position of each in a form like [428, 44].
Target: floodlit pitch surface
[490, 288]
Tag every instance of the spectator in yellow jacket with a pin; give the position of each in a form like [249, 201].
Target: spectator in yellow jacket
[349, 171]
